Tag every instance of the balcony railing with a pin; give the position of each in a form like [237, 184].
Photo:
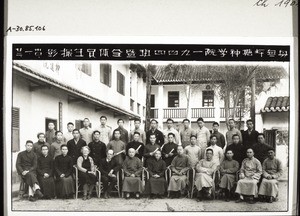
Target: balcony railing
[203, 112]
[154, 113]
[175, 113]
[237, 112]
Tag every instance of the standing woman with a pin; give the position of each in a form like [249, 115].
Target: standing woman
[87, 172]
[63, 165]
[45, 172]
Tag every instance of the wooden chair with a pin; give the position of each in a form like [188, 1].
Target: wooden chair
[99, 187]
[123, 177]
[23, 188]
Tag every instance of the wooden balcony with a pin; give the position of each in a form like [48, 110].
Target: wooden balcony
[203, 112]
[238, 112]
[175, 113]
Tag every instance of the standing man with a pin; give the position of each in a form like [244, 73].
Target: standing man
[171, 129]
[250, 135]
[158, 134]
[232, 130]
[218, 154]
[50, 133]
[105, 131]
[151, 148]
[142, 138]
[203, 136]
[86, 132]
[69, 135]
[220, 136]
[118, 146]
[55, 149]
[37, 147]
[169, 149]
[74, 146]
[123, 132]
[98, 148]
[136, 145]
[186, 133]
[238, 150]
[193, 151]
[261, 148]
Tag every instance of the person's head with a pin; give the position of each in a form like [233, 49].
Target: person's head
[215, 126]
[171, 137]
[249, 124]
[51, 126]
[193, 140]
[179, 150]
[250, 153]
[261, 138]
[157, 155]
[85, 150]
[229, 154]
[86, 122]
[152, 138]
[271, 153]
[59, 136]
[121, 123]
[76, 134]
[209, 153]
[200, 122]
[103, 120]
[235, 139]
[110, 154]
[29, 145]
[136, 136]
[45, 150]
[96, 135]
[70, 126]
[153, 124]
[170, 123]
[186, 123]
[131, 152]
[64, 149]
[137, 123]
[231, 123]
[41, 137]
[213, 139]
[117, 134]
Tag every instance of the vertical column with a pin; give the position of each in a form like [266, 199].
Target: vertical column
[160, 106]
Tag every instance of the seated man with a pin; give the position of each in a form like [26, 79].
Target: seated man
[133, 168]
[179, 168]
[136, 145]
[26, 167]
[109, 168]
[204, 171]
[156, 184]
[228, 169]
[250, 173]
[272, 170]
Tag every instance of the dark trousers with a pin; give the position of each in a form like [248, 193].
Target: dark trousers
[30, 178]
[105, 180]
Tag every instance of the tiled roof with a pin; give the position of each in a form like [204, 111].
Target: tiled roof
[277, 104]
[207, 73]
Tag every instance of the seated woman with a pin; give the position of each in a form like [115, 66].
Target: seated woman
[63, 166]
[45, 173]
[133, 168]
[156, 184]
[87, 172]
[204, 171]
[228, 169]
[250, 173]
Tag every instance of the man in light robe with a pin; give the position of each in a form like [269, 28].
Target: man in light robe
[179, 168]
[105, 131]
[272, 170]
[204, 173]
[203, 136]
[55, 147]
[193, 151]
[86, 132]
[218, 153]
[118, 146]
[142, 138]
[232, 130]
[69, 135]
[133, 169]
[171, 129]
[250, 173]
[186, 133]
[228, 169]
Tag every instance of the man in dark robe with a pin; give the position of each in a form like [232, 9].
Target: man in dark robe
[136, 145]
[75, 145]
[261, 148]
[238, 150]
[250, 135]
[169, 150]
[153, 130]
[98, 148]
[50, 133]
[150, 148]
[123, 132]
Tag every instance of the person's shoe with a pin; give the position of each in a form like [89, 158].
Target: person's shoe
[270, 200]
[31, 198]
[88, 196]
[251, 201]
[158, 196]
[105, 195]
[127, 195]
[84, 197]
[151, 196]
[137, 195]
[239, 200]
[227, 199]
[38, 193]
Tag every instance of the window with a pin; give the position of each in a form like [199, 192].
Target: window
[85, 68]
[208, 98]
[120, 83]
[173, 99]
[105, 74]
[131, 104]
[138, 108]
[15, 135]
[152, 101]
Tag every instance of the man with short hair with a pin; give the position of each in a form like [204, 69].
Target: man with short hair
[142, 138]
[232, 130]
[118, 146]
[193, 151]
[220, 136]
[203, 136]
[151, 148]
[50, 133]
[170, 129]
[105, 131]
[86, 132]
[261, 148]
[136, 145]
[238, 150]
[186, 133]
[55, 149]
[75, 145]
[98, 148]
[37, 147]
[26, 167]
[123, 132]
[158, 134]
[69, 135]
[272, 170]
[250, 135]
[169, 149]
[218, 154]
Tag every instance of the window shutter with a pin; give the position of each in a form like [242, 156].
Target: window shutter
[15, 129]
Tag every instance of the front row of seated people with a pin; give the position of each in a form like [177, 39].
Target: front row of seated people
[55, 178]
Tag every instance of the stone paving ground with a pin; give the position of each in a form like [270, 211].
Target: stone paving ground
[145, 204]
